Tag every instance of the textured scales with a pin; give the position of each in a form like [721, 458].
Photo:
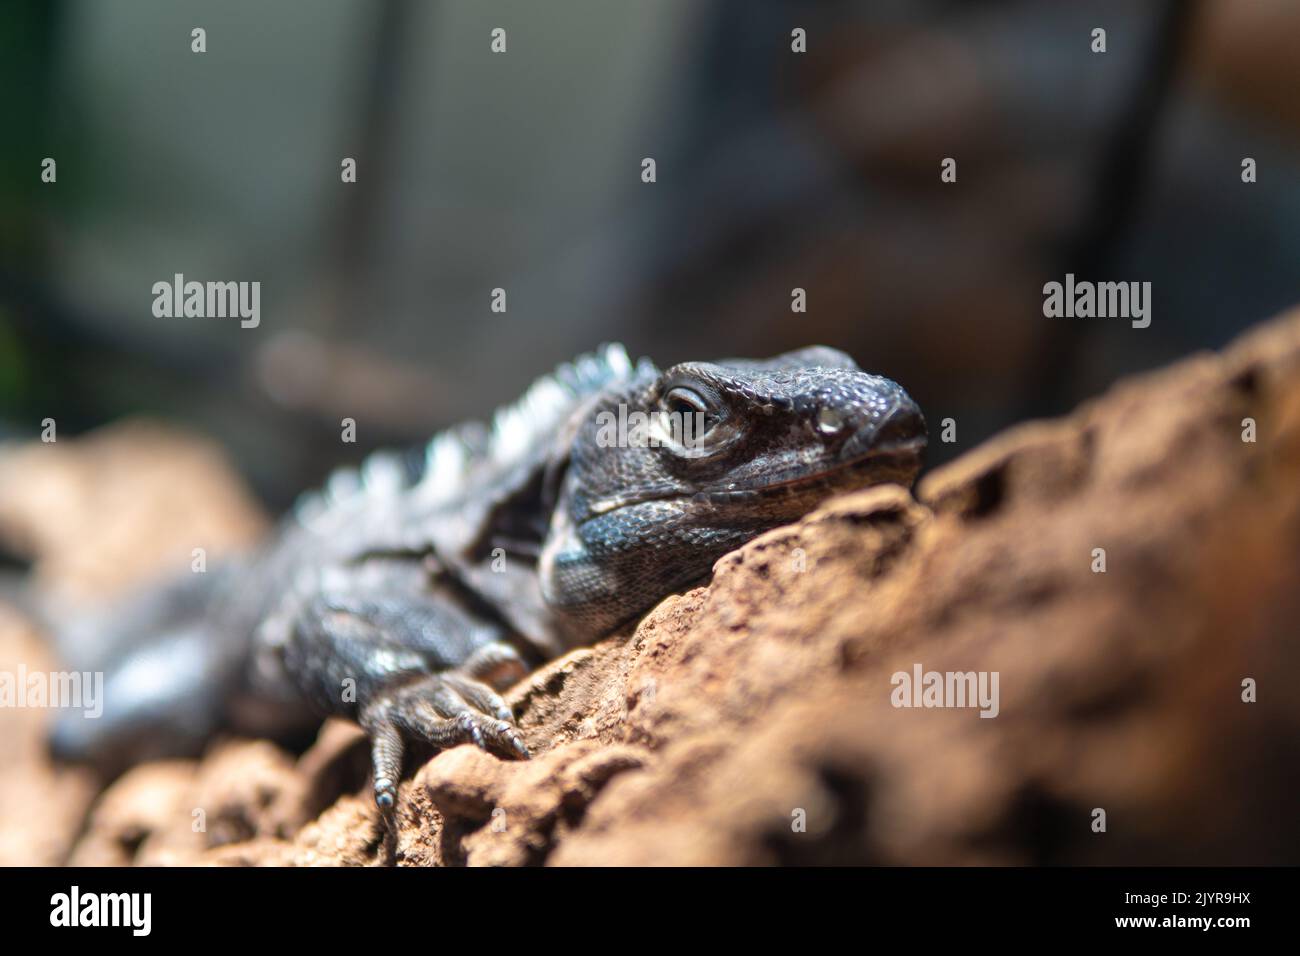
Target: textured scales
[406, 593]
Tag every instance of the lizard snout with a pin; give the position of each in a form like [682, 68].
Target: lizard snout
[904, 427]
[896, 430]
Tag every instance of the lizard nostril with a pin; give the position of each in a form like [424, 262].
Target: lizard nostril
[829, 421]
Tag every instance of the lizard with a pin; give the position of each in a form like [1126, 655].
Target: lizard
[408, 593]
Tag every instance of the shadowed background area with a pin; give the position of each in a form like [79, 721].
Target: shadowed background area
[776, 171]
[522, 171]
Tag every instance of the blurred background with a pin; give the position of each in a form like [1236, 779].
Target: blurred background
[522, 171]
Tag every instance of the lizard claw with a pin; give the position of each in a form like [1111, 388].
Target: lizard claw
[470, 728]
[442, 710]
[519, 747]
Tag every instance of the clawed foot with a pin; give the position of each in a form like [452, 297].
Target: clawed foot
[438, 709]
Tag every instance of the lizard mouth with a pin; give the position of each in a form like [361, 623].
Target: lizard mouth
[895, 461]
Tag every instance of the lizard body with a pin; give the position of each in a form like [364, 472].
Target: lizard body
[404, 594]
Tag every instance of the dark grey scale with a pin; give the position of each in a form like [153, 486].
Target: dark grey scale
[408, 593]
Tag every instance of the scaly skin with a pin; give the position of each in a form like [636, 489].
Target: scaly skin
[404, 598]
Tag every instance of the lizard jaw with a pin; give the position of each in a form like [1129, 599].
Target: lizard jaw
[895, 463]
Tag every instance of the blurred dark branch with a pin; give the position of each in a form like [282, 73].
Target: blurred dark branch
[353, 234]
[1122, 171]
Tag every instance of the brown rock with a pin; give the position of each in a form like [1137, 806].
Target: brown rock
[121, 505]
[41, 806]
[753, 721]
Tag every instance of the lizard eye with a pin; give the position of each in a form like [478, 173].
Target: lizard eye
[687, 421]
[692, 416]
[684, 401]
[692, 421]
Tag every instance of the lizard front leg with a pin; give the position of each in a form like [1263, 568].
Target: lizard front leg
[404, 665]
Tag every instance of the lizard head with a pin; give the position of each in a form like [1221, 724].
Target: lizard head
[674, 469]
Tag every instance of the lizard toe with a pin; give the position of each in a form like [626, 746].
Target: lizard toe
[480, 696]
